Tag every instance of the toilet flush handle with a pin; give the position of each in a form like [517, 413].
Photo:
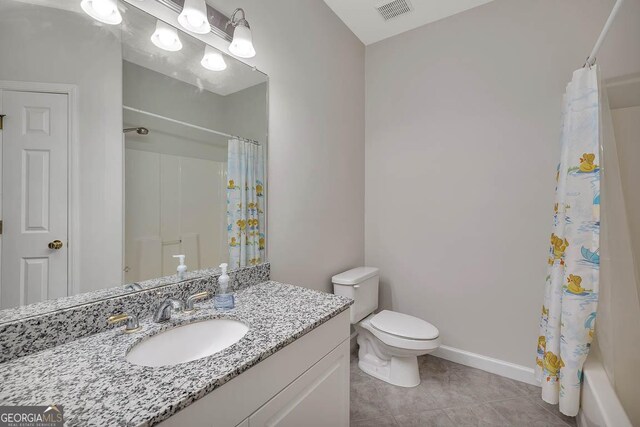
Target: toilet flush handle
[356, 286]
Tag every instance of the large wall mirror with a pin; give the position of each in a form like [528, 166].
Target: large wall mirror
[121, 149]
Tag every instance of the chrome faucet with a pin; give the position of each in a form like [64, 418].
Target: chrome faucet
[163, 313]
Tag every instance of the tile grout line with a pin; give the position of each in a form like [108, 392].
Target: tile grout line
[386, 407]
[482, 402]
[453, 423]
[555, 415]
[522, 394]
[535, 403]
[378, 384]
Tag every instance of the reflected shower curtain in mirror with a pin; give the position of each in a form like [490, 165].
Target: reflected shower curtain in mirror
[245, 204]
[571, 290]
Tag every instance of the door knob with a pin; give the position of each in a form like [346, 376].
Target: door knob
[56, 244]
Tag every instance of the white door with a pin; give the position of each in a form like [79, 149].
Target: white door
[34, 197]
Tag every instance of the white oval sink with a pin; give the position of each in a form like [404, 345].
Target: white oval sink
[188, 342]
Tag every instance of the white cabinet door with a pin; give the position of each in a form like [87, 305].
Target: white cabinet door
[34, 197]
[318, 398]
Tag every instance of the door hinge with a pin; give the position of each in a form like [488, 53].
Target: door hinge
[2, 116]
[0, 226]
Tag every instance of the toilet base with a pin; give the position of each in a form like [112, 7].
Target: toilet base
[397, 370]
[400, 371]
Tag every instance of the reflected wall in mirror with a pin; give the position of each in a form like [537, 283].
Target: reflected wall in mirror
[118, 155]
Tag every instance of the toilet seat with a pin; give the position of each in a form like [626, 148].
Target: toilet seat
[402, 331]
[404, 326]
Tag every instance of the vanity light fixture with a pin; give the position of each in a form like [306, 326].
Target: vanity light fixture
[194, 17]
[166, 37]
[242, 44]
[213, 60]
[105, 11]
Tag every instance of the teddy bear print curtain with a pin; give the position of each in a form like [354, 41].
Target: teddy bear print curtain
[571, 290]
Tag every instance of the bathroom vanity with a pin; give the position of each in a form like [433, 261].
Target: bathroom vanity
[291, 368]
[305, 383]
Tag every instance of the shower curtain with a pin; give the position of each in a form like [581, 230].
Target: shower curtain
[245, 204]
[571, 290]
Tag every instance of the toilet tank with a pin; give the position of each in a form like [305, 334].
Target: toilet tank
[361, 285]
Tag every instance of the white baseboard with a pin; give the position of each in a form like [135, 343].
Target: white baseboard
[489, 364]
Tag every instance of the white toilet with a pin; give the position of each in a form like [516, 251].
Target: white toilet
[389, 342]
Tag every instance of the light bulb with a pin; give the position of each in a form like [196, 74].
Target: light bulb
[105, 11]
[213, 60]
[166, 37]
[194, 17]
[195, 20]
[102, 7]
[242, 45]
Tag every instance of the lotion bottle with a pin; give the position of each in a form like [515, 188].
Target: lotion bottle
[223, 299]
[182, 269]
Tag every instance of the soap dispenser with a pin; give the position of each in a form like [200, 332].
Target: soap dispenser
[182, 269]
[223, 299]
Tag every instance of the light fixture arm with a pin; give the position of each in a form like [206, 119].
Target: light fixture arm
[242, 44]
[234, 21]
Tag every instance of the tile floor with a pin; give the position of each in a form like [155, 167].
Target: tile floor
[449, 395]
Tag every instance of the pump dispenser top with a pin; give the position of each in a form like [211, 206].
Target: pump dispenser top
[223, 280]
[223, 299]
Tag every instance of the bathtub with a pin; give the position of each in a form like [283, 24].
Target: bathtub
[600, 406]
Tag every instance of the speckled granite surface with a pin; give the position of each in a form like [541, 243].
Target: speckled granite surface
[97, 386]
[45, 307]
[36, 333]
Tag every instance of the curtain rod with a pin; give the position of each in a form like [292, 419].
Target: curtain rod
[169, 119]
[591, 59]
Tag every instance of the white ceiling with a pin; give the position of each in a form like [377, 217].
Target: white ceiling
[368, 25]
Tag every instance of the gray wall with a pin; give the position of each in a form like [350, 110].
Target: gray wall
[462, 131]
[316, 139]
[246, 113]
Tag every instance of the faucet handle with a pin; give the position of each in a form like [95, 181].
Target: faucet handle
[189, 308]
[132, 322]
[133, 287]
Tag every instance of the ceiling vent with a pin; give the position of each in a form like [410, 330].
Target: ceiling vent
[393, 9]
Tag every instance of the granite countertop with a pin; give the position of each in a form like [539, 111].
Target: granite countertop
[94, 383]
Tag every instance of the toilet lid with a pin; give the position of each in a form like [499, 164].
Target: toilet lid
[404, 325]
